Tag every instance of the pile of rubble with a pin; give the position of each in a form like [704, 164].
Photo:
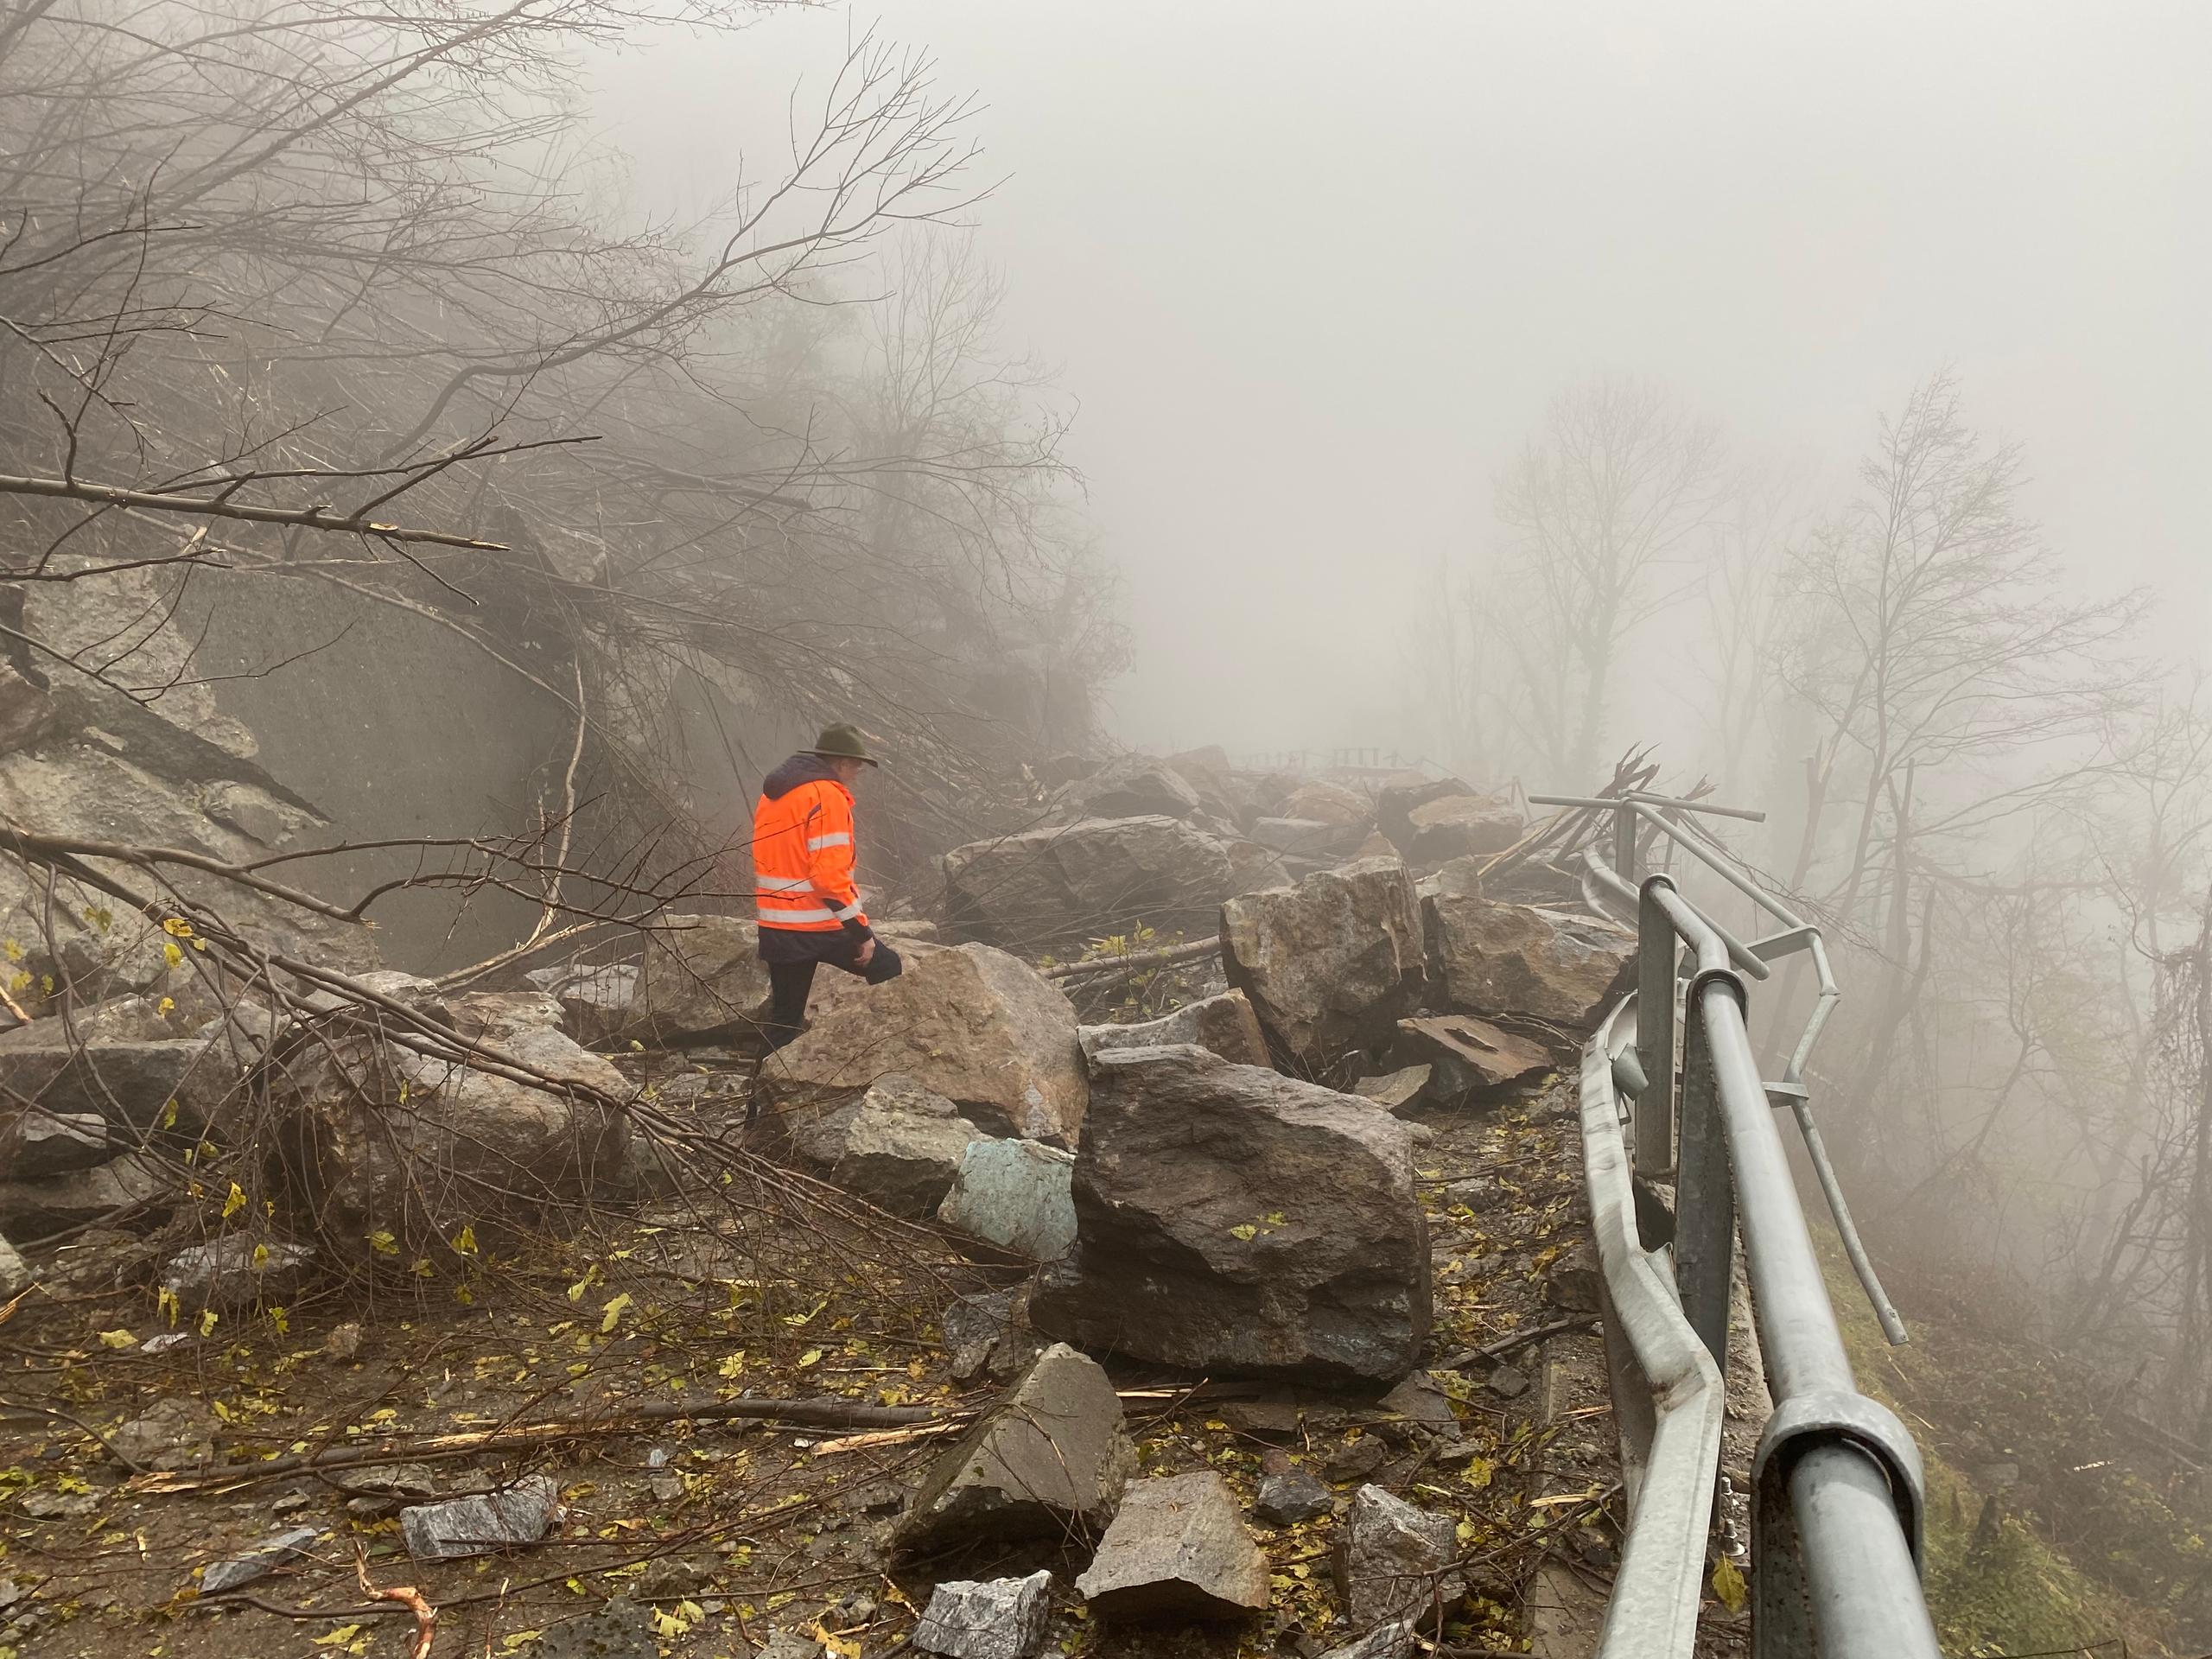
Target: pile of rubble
[1227, 1192]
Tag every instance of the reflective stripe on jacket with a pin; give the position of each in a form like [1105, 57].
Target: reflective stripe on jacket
[803, 851]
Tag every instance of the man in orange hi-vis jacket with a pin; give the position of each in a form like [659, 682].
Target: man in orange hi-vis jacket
[809, 908]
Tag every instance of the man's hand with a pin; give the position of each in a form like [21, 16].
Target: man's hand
[867, 952]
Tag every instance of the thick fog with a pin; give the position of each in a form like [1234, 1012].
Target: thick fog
[1311, 274]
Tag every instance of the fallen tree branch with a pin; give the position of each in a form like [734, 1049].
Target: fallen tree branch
[799, 1413]
[426, 1617]
[1136, 959]
[1511, 1340]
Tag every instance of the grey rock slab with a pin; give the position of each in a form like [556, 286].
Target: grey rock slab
[988, 1619]
[786, 1645]
[259, 1562]
[1460, 826]
[1137, 787]
[1178, 1549]
[1016, 1194]
[127, 1082]
[478, 1525]
[1393, 1561]
[1357, 1459]
[14, 1273]
[598, 1002]
[1420, 1404]
[1288, 1498]
[895, 1143]
[1312, 838]
[36, 1142]
[1049, 1460]
[1225, 1025]
[987, 1332]
[1056, 887]
[1330, 964]
[1234, 1221]
[1320, 801]
[972, 1024]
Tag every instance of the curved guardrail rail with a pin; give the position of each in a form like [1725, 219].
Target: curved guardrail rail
[1836, 1485]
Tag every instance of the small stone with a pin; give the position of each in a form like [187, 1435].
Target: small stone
[1286, 1499]
[783, 1644]
[55, 1506]
[1394, 1561]
[673, 1577]
[290, 1502]
[1356, 1459]
[1397, 1091]
[990, 1618]
[344, 1341]
[260, 1561]
[1177, 1550]
[163, 1343]
[1276, 1418]
[666, 1489]
[477, 1525]
[1507, 1382]
[178, 1433]
[1577, 1279]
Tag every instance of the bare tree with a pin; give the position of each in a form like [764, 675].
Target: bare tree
[1602, 509]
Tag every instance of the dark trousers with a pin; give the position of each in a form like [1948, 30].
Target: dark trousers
[790, 982]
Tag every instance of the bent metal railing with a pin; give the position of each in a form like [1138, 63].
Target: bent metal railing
[1836, 1489]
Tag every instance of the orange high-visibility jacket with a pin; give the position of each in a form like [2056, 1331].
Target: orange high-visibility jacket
[803, 856]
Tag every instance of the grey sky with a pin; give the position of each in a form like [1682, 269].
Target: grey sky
[1312, 270]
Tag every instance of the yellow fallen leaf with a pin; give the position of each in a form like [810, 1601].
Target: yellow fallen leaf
[338, 1637]
[1728, 1585]
[117, 1339]
[812, 1357]
[611, 1314]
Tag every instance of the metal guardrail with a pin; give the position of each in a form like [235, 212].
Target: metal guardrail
[1836, 1485]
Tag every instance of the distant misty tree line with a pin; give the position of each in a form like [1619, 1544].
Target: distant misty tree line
[1996, 802]
[308, 292]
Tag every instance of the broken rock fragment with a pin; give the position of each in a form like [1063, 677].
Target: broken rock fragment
[990, 1618]
[1466, 1056]
[1236, 1222]
[237, 1272]
[259, 1562]
[484, 1522]
[1177, 1550]
[36, 1142]
[1397, 1091]
[1393, 1561]
[1288, 1498]
[1059, 886]
[1049, 1460]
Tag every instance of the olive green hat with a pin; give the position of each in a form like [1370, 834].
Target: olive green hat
[842, 742]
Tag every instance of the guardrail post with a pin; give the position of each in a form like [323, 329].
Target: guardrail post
[1704, 1191]
[1624, 842]
[1656, 948]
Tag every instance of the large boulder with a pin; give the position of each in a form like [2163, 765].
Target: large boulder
[598, 1002]
[1460, 826]
[702, 980]
[1546, 964]
[1178, 1549]
[1059, 886]
[1395, 800]
[115, 1071]
[374, 1146]
[1046, 1462]
[123, 1186]
[1224, 1024]
[34, 1142]
[1139, 786]
[895, 1143]
[1231, 1220]
[1330, 964]
[1315, 840]
[1327, 802]
[972, 1024]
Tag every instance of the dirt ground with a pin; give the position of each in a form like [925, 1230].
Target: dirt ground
[700, 1538]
